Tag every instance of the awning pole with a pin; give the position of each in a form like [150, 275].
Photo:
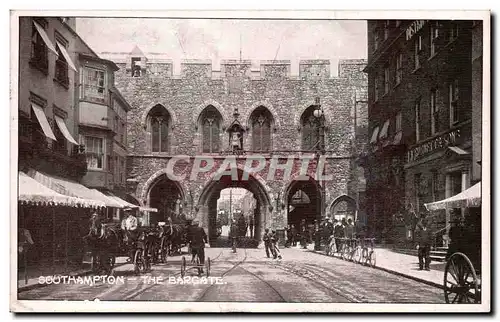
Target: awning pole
[66, 245]
[53, 237]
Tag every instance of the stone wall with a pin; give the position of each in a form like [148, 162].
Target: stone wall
[236, 85]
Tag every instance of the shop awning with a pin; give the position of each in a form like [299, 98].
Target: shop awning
[383, 132]
[71, 188]
[32, 192]
[45, 37]
[66, 56]
[374, 135]
[458, 150]
[148, 209]
[468, 198]
[42, 119]
[123, 203]
[397, 138]
[64, 130]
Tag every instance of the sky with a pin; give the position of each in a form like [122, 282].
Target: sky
[216, 39]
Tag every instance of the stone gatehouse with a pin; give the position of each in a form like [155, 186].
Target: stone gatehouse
[192, 114]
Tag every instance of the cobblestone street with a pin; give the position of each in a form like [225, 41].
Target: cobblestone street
[301, 276]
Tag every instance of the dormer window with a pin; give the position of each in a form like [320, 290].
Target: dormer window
[136, 67]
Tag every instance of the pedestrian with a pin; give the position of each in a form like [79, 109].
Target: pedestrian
[274, 244]
[294, 236]
[197, 238]
[424, 242]
[303, 234]
[251, 224]
[267, 241]
[233, 235]
[288, 231]
[338, 232]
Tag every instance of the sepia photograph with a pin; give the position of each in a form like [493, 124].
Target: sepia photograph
[250, 161]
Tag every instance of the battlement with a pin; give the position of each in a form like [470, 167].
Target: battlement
[159, 65]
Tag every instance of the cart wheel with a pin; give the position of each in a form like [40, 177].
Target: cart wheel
[207, 266]
[147, 261]
[372, 259]
[138, 263]
[183, 266]
[164, 251]
[460, 281]
[364, 256]
[197, 265]
[94, 263]
[358, 255]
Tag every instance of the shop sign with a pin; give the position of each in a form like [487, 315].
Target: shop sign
[414, 28]
[440, 142]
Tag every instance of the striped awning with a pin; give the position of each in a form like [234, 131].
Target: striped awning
[468, 198]
[71, 188]
[33, 192]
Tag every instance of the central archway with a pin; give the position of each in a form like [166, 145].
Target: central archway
[207, 204]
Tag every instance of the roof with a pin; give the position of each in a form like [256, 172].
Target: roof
[100, 60]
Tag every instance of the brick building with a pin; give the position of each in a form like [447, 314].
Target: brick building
[192, 113]
[421, 110]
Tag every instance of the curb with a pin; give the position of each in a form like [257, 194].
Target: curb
[30, 287]
[417, 279]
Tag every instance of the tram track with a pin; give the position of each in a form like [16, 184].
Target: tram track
[140, 289]
[204, 293]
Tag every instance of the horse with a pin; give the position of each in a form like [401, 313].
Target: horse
[104, 242]
[173, 238]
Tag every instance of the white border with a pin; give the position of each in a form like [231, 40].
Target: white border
[118, 306]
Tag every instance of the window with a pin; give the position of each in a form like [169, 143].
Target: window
[418, 49]
[417, 120]
[434, 37]
[376, 87]
[94, 149]
[453, 99]
[399, 68]
[453, 31]
[399, 121]
[136, 67]
[39, 51]
[434, 112]
[61, 71]
[211, 123]
[261, 129]
[417, 186]
[123, 167]
[434, 183]
[159, 120]
[386, 29]
[94, 84]
[60, 144]
[310, 130]
[386, 79]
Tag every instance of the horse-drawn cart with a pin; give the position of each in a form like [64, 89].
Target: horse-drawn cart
[196, 265]
[462, 276]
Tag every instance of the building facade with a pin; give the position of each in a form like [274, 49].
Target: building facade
[420, 82]
[264, 111]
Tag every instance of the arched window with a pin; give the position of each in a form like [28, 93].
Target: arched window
[211, 122]
[310, 130]
[261, 129]
[159, 121]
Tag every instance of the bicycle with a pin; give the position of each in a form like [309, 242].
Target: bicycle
[368, 253]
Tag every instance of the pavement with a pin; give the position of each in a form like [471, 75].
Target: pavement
[386, 260]
[301, 276]
[405, 265]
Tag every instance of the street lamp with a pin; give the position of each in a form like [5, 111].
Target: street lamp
[320, 116]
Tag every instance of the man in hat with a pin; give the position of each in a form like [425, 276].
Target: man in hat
[424, 242]
[267, 241]
[197, 239]
[233, 234]
[129, 226]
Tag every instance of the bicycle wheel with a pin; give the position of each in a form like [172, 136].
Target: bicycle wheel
[357, 255]
[138, 262]
[372, 259]
[163, 250]
[183, 266]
